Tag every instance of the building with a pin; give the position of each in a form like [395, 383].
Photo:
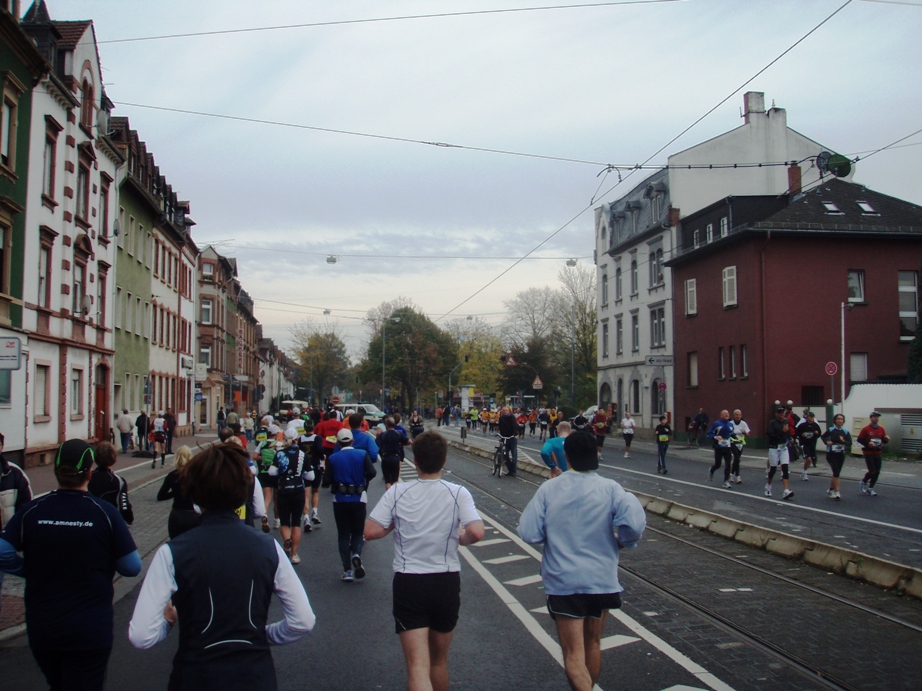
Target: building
[155, 288]
[760, 311]
[636, 235]
[243, 343]
[70, 215]
[277, 375]
[215, 274]
[21, 66]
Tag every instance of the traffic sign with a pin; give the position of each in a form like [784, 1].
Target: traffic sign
[660, 360]
[335, 400]
[199, 396]
[510, 362]
[831, 368]
[537, 383]
[662, 386]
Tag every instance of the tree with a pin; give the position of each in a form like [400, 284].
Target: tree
[322, 359]
[480, 348]
[532, 314]
[574, 334]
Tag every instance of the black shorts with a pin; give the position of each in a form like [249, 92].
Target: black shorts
[290, 506]
[318, 476]
[390, 468]
[266, 480]
[582, 605]
[427, 600]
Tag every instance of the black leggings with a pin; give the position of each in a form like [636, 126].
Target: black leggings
[722, 455]
[737, 454]
[835, 461]
[784, 472]
[350, 525]
[873, 462]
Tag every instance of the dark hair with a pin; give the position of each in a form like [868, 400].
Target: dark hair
[106, 454]
[430, 449]
[218, 477]
[397, 418]
[356, 420]
[582, 451]
[328, 415]
[225, 433]
[236, 427]
[68, 477]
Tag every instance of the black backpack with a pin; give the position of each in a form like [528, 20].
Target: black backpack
[290, 480]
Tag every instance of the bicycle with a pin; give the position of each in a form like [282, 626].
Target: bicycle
[500, 455]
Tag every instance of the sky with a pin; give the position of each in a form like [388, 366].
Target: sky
[594, 85]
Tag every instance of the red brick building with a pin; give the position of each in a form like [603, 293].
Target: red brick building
[758, 309]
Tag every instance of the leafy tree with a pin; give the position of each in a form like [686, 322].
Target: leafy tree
[531, 358]
[480, 348]
[322, 359]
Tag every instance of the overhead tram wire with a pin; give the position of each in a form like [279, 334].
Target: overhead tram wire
[389, 256]
[374, 20]
[656, 153]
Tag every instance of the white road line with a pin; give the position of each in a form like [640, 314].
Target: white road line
[494, 541]
[680, 659]
[507, 560]
[527, 580]
[616, 641]
[753, 496]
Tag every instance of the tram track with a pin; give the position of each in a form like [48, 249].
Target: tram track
[783, 654]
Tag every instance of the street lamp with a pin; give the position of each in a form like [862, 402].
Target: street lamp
[384, 351]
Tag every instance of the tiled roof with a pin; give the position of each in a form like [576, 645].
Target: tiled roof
[71, 32]
[881, 210]
[37, 14]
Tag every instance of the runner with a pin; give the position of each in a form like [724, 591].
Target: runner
[871, 439]
[663, 433]
[552, 453]
[312, 446]
[416, 424]
[627, 432]
[158, 427]
[183, 515]
[291, 473]
[721, 431]
[808, 433]
[544, 421]
[740, 432]
[107, 485]
[838, 441]
[264, 455]
[431, 518]
[532, 422]
[779, 438]
[521, 420]
[599, 424]
[391, 444]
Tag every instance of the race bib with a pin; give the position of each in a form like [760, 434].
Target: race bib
[664, 437]
[837, 448]
[808, 435]
[874, 443]
[242, 512]
[331, 439]
[723, 442]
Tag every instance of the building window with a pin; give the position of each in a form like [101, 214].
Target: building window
[729, 286]
[633, 277]
[618, 293]
[9, 115]
[721, 364]
[207, 309]
[811, 395]
[724, 227]
[693, 368]
[709, 232]
[832, 209]
[138, 316]
[207, 271]
[858, 367]
[605, 339]
[101, 299]
[732, 362]
[44, 276]
[604, 289]
[658, 327]
[744, 361]
[79, 287]
[635, 397]
[40, 392]
[104, 209]
[147, 320]
[619, 336]
[83, 193]
[87, 106]
[48, 164]
[908, 286]
[656, 267]
[122, 227]
[867, 209]
[635, 332]
[855, 285]
[691, 297]
[697, 239]
[118, 307]
[76, 392]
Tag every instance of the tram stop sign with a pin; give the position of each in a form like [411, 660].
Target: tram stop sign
[831, 369]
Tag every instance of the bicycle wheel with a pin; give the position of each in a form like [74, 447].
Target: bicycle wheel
[498, 463]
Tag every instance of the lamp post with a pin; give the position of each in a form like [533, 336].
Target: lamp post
[384, 352]
[845, 307]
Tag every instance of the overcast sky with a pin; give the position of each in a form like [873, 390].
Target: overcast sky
[603, 84]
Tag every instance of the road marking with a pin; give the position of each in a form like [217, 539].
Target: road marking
[728, 590]
[767, 499]
[616, 641]
[682, 660]
[506, 560]
[527, 580]
[494, 541]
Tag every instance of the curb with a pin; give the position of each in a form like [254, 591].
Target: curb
[856, 565]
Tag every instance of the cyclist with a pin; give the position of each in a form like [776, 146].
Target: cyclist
[508, 430]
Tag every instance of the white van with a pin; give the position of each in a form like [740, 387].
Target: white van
[372, 413]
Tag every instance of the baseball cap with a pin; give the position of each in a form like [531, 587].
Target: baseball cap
[344, 435]
[291, 433]
[874, 414]
[75, 453]
[779, 409]
[810, 413]
[296, 411]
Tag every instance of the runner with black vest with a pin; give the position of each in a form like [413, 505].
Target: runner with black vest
[291, 472]
[808, 433]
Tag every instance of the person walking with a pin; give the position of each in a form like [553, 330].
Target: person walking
[169, 426]
[838, 441]
[430, 518]
[231, 418]
[663, 434]
[779, 438]
[108, 486]
[158, 426]
[740, 432]
[183, 515]
[627, 433]
[142, 424]
[221, 418]
[222, 563]
[871, 439]
[348, 472]
[583, 520]
[552, 452]
[249, 425]
[721, 432]
[69, 612]
[700, 423]
[125, 426]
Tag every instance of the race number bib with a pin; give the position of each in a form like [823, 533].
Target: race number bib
[837, 448]
[874, 443]
[723, 443]
[664, 437]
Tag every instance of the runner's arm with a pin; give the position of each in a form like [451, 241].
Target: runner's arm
[10, 562]
[148, 625]
[299, 617]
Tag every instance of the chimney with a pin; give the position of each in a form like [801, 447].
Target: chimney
[794, 179]
[753, 102]
[674, 216]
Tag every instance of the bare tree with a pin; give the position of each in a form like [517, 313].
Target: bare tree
[532, 313]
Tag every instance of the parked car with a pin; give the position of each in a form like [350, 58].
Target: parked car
[372, 413]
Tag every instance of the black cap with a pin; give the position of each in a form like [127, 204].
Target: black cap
[810, 413]
[779, 409]
[75, 453]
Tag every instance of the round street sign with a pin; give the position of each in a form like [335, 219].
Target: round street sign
[662, 386]
[335, 400]
[831, 368]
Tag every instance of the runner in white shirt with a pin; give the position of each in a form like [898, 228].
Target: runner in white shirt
[431, 518]
[627, 431]
[740, 432]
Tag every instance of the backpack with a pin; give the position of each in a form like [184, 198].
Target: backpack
[262, 434]
[290, 480]
[266, 456]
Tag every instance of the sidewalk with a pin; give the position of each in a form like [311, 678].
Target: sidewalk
[148, 530]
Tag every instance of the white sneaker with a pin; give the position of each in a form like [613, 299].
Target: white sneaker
[863, 488]
[830, 493]
[627, 455]
[836, 495]
[739, 480]
[768, 490]
[788, 493]
[726, 485]
[277, 524]
[871, 492]
[804, 476]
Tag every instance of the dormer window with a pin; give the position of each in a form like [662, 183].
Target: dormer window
[832, 209]
[867, 209]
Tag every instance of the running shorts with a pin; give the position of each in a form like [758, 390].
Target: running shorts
[318, 477]
[290, 506]
[778, 456]
[266, 480]
[390, 468]
[582, 605]
[427, 600]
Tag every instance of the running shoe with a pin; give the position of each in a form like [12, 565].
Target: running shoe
[871, 492]
[804, 476]
[315, 519]
[277, 524]
[665, 472]
[296, 559]
[710, 474]
[347, 577]
[830, 493]
[788, 493]
[265, 524]
[357, 569]
[726, 485]
[768, 490]
[837, 496]
[627, 455]
[739, 480]
[153, 464]
[863, 488]
[307, 527]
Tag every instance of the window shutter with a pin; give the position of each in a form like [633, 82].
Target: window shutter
[41, 381]
[729, 284]
[691, 296]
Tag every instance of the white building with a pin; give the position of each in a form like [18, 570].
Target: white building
[637, 233]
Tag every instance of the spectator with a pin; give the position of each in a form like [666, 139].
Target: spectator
[142, 423]
[231, 418]
[221, 418]
[125, 427]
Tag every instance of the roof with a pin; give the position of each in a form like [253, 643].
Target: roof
[882, 210]
[71, 32]
[37, 14]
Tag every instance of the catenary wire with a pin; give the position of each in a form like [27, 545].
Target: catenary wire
[338, 255]
[374, 20]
